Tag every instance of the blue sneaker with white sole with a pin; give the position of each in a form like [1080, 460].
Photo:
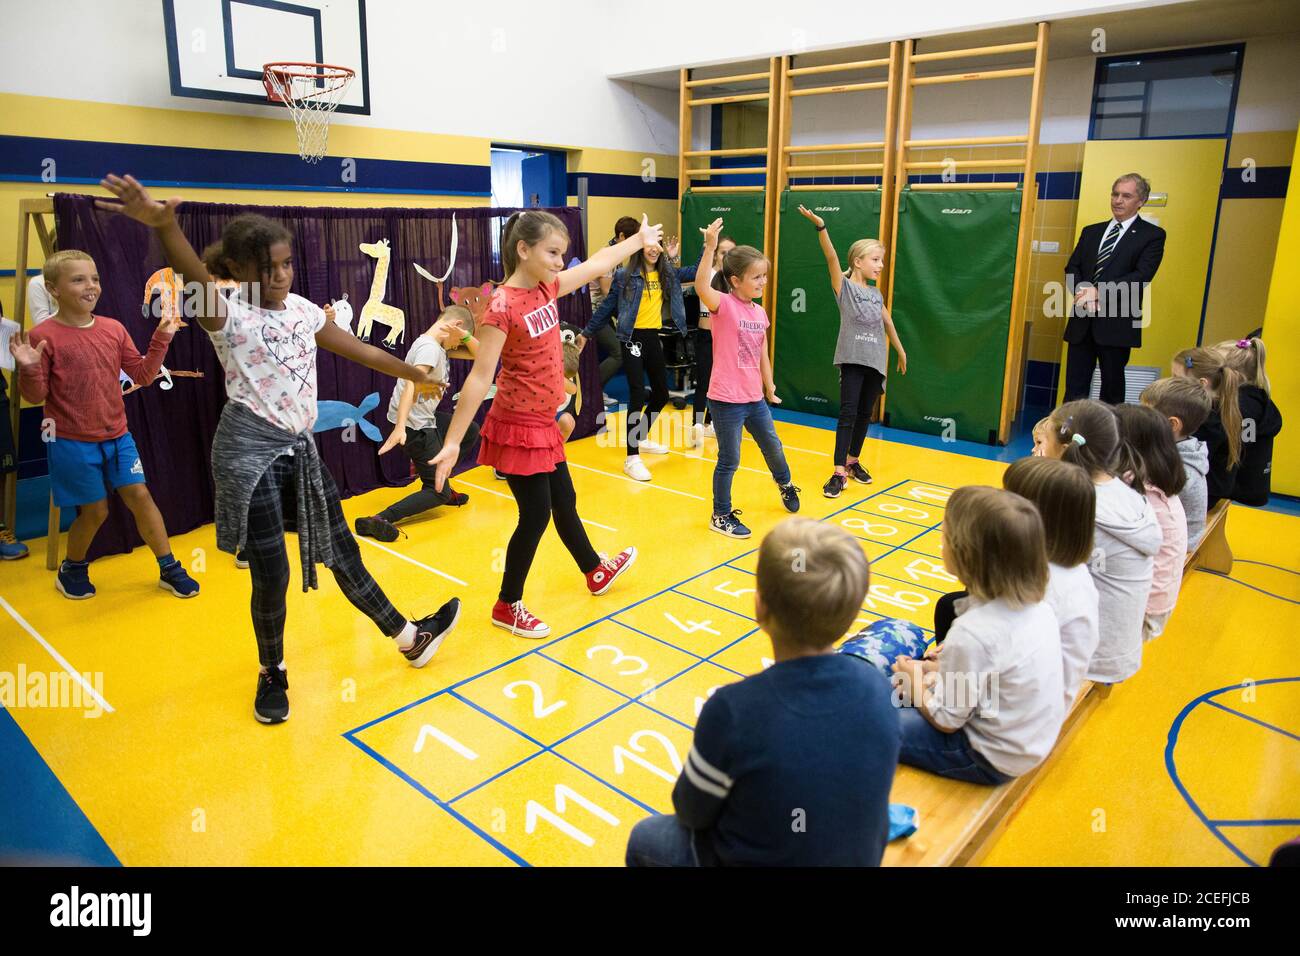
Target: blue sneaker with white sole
[73, 580]
[729, 525]
[173, 578]
[11, 549]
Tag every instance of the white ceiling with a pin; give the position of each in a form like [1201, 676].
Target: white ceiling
[1194, 23]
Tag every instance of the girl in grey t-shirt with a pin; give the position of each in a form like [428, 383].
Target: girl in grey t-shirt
[860, 350]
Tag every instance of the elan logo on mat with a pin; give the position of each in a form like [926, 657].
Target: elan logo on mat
[956, 212]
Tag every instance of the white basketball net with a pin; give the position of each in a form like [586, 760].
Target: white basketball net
[312, 93]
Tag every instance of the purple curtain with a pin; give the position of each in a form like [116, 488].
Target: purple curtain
[173, 428]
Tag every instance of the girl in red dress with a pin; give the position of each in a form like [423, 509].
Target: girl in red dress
[522, 329]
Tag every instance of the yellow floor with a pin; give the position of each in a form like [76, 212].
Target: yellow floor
[504, 750]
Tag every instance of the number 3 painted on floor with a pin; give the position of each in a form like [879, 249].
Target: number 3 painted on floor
[619, 657]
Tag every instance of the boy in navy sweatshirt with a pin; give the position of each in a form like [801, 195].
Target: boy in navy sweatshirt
[793, 766]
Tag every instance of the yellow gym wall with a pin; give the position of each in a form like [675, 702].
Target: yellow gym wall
[46, 117]
[1282, 323]
[1247, 242]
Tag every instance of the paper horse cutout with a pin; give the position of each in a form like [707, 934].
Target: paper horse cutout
[331, 415]
[375, 309]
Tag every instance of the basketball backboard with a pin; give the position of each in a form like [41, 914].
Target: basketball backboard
[216, 48]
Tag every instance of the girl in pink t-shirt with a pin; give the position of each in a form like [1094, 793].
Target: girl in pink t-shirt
[1150, 436]
[522, 329]
[742, 374]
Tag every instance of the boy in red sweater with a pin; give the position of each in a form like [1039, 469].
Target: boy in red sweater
[70, 363]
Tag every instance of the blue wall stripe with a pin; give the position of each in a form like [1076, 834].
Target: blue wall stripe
[624, 186]
[81, 161]
[1270, 183]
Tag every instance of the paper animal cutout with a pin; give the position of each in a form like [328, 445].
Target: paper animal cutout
[164, 374]
[451, 264]
[476, 299]
[343, 313]
[375, 309]
[332, 414]
[165, 284]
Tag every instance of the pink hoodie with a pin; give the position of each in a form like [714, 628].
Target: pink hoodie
[1168, 571]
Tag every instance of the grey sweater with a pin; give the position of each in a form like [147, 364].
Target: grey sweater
[242, 449]
[1196, 462]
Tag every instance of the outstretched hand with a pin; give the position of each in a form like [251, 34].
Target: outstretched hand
[812, 217]
[136, 202]
[711, 232]
[443, 463]
[20, 347]
[650, 235]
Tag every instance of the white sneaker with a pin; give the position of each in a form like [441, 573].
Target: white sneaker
[695, 437]
[633, 467]
[652, 448]
[709, 432]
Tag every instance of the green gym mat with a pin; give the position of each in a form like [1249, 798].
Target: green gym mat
[742, 220]
[953, 276]
[807, 318]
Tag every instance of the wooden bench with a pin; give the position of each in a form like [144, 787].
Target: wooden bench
[959, 822]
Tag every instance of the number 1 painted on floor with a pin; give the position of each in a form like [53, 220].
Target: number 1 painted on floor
[428, 730]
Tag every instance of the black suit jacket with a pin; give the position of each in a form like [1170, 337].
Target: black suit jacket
[1134, 261]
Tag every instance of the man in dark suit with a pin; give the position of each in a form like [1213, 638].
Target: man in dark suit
[1107, 274]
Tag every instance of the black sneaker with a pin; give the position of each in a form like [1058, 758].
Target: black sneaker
[789, 496]
[381, 529]
[272, 703]
[431, 631]
[859, 474]
[729, 525]
[834, 486]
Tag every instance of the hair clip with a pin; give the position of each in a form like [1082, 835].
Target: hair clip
[1244, 343]
[1078, 439]
[1188, 361]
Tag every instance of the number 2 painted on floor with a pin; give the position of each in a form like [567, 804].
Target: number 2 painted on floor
[539, 711]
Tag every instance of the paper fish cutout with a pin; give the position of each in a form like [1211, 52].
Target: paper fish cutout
[332, 414]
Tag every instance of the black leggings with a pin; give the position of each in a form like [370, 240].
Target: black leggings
[703, 373]
[860, 387]
[642, 407]
[421, 446]
[541, 497]
[271, 511]
[607, 339]
[945, 612]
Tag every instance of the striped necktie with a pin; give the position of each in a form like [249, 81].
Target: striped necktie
[1107, 247]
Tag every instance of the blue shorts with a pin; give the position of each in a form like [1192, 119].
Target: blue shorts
[83, 472]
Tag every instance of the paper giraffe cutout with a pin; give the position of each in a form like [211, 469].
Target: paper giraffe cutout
[375, 309]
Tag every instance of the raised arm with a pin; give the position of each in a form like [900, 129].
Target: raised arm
[828, 250]
[608, 258]
[135, 202]
[345, 344]
[472, 393]
[709, 297]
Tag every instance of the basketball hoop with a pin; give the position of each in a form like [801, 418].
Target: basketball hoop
[312, 91]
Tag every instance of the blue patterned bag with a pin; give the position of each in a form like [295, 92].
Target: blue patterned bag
[881, 643]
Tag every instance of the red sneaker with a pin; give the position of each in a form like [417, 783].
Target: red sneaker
[601, 578]
[517, 619]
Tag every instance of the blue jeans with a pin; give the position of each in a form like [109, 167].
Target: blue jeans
[661, 841]
[728, 420]
[948, 755]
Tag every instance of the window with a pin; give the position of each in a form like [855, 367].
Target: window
[1166, 95]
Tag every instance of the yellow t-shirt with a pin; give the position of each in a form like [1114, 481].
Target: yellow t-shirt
[649, 314]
